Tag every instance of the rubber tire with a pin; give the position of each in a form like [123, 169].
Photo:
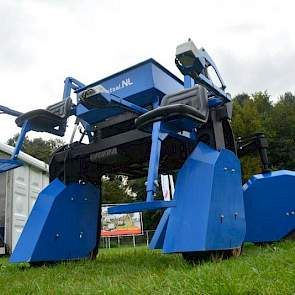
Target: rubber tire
[93, 254]
[213, 256]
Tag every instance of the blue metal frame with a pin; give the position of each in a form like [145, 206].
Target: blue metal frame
[8, 111]
[159, 133]
[208, 184]
[70, 84]
[269, 206]
[26, 128]
[202, 62]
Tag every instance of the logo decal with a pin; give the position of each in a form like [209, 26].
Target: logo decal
[124, 83]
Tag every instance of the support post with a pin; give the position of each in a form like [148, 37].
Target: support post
[20, 140]
[147, 238]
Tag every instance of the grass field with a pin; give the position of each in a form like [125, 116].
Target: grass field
[261, 270]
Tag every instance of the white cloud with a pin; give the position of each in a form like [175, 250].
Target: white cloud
[252, 42]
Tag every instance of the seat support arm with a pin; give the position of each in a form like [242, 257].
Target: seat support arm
[25, 129]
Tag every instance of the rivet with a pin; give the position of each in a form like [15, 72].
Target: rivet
[81, 234]
[287, 213]
[233, 170]
[225, 168]
[85, 199]
[292, 212]
[57, 235]
[72, 198]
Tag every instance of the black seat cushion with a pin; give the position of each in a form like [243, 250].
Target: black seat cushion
[52, 120]
[39, 116]
[170, 113]
[185, 110]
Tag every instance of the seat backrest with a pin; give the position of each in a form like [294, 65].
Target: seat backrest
[62, 108]
[195, 97]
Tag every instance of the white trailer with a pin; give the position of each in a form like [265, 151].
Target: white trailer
[19, 189]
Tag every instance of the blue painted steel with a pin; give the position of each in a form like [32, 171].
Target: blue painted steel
[25, 129]
[203, 54]
[140, 207]
[270, 206]
[141, 84]
[158, 239]
[71, 84]
[214, 101]
[12, 163]
[62, 224]
[197, 69]
[134, 76]
[203, 80]
[9, 164]
[120, 103]
[188, 82]
[9, 111]
[209, 209]
[157, 138]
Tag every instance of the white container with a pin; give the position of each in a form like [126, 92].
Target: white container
[19, 189]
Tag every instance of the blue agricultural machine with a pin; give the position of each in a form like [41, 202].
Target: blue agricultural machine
[144, 121]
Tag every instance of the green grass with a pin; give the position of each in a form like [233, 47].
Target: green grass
[260, 270]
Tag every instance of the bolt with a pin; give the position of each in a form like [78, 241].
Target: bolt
[85, 199]
[292, 213]
[81, 235]
[72, 198]
[221, 218]
[233, 170]
[236, 215]
[287, 213]
[57, 235]
[225, 168]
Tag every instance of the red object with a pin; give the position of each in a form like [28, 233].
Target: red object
[121, 232]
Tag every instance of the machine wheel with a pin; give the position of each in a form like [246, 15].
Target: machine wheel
[94, 252]
[290, 235]
[235, 252]
[214, 256]
[202, 256]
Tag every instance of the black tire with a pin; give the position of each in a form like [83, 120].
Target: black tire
[290, 235]
[93, 254]
[213, 256]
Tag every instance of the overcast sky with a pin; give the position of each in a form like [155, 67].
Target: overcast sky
[43, 41]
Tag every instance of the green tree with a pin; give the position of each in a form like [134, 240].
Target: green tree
[246, 121]
[115, 190]
[282, 139]
[38, 147]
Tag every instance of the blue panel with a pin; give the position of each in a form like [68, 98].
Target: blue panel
[62, 224]
[270, 206]
[158, 239]
[205, 192]
[141, 84]
[8, 164]
[140, 207]
[226, 223]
